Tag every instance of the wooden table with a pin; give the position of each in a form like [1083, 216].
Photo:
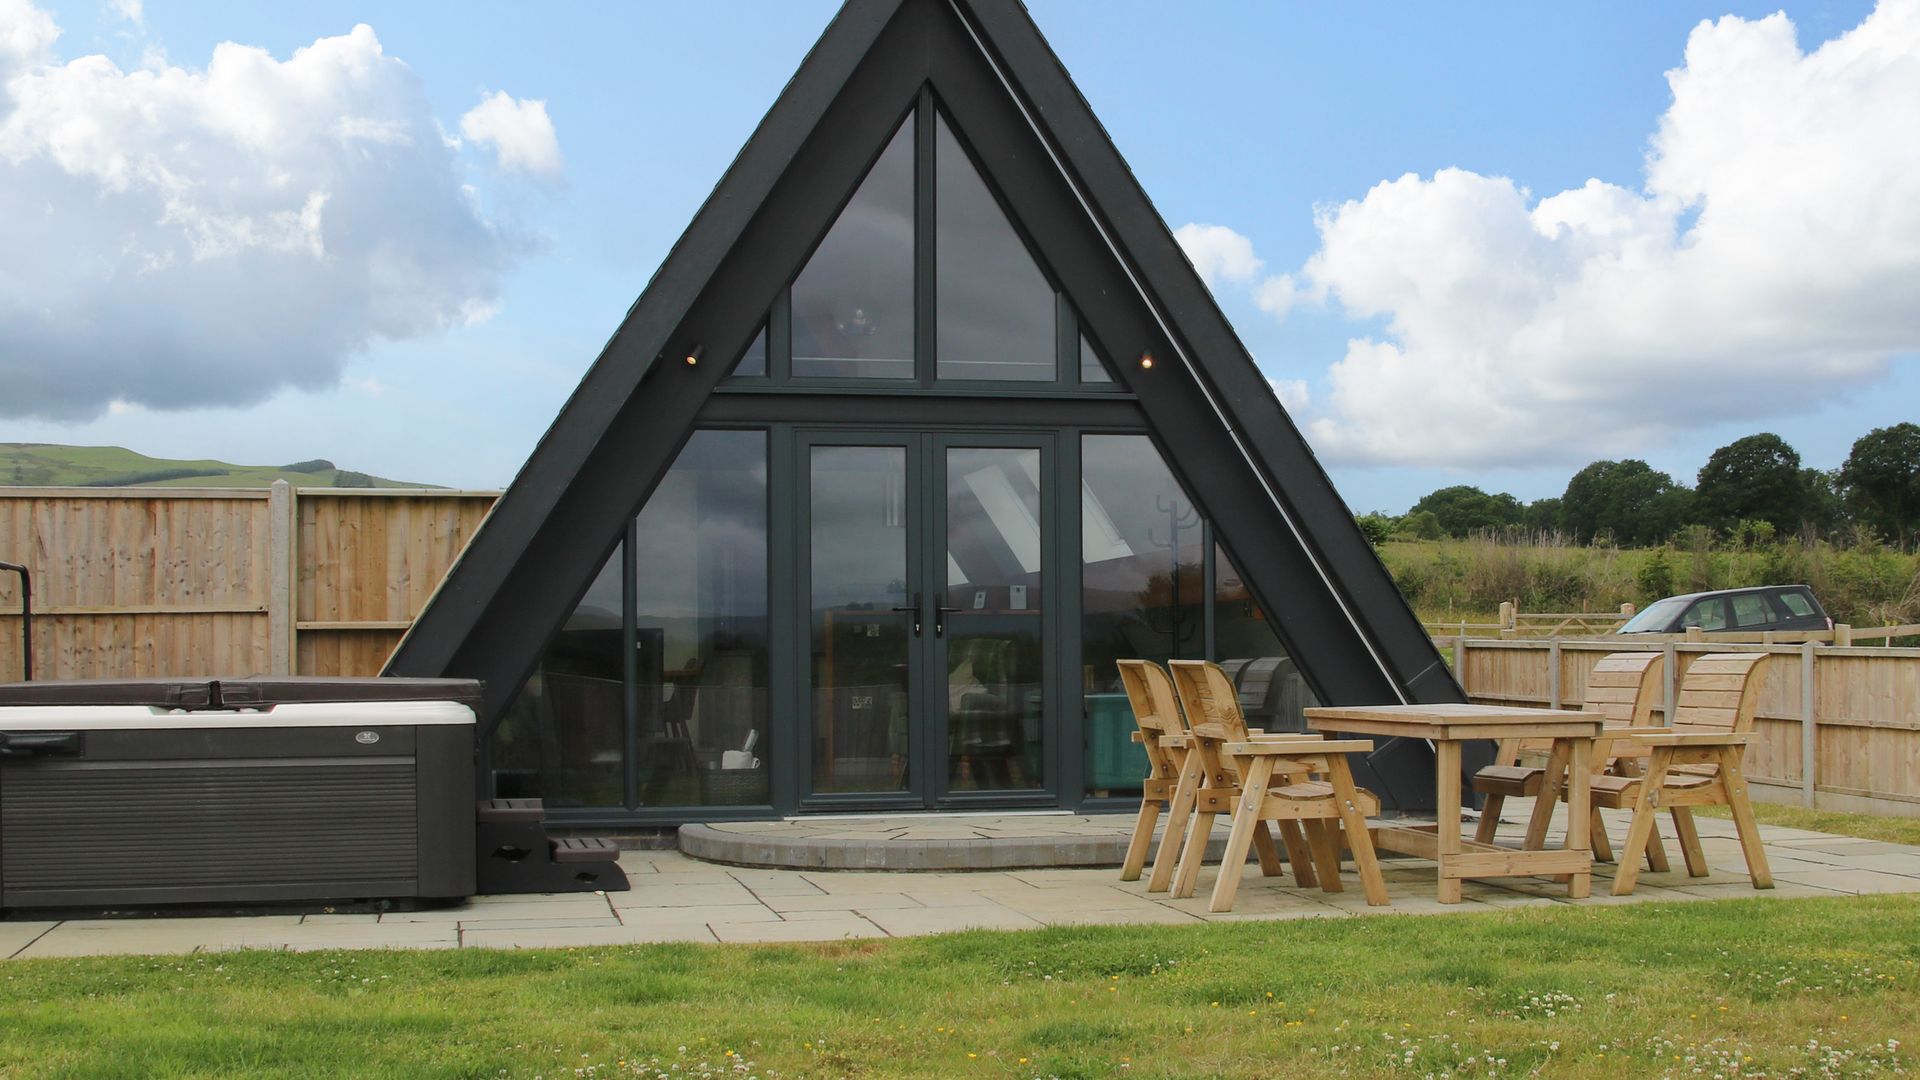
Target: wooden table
[1447, 726]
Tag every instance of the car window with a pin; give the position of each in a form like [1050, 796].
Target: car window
[1655, 618]
[1752, 609]
[1708, 614]
[1797, 603]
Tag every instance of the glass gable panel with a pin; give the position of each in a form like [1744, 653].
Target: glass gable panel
[563, 738]
[1272, 690]
[753, 362]
[700, 597]
[853, 303]
[994, 309]
[1092, 370]
[699, 729]
[1143, 581]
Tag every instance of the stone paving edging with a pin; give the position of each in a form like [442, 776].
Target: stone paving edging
[845, 853]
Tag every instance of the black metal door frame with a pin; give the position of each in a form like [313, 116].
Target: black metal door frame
[924, 505]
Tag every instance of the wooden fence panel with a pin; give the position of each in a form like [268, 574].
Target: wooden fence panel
[1866, 712]
[170, 581]
[368, 563]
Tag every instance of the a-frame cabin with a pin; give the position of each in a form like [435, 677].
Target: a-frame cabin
[924, 422]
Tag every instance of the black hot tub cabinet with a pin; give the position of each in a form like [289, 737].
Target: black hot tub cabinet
[127, 793]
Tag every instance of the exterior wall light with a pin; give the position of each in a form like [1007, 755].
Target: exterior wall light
[1146, 360]
[693, 355]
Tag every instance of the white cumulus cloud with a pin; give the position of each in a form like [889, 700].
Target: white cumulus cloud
[518, 132]
[1218, 253]
[1770, 260]
[174, 237]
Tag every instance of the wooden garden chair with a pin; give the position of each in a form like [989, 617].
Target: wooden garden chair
[1301, 782]
[1171, 782]
[1624, 686]
[1695, 761]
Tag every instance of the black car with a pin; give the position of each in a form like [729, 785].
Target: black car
[1755, 610]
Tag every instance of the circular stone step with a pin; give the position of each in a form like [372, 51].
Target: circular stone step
[919, 842]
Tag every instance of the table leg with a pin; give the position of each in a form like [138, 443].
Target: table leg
[1552, 783]
[1446, 756]
[1579, 810]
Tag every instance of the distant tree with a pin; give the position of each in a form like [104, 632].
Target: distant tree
[1543, 515]
[1464, 508]
[1655, 577]
[1422, 525]
[1629, 499]
[1752, 479]
[1826, 507]
[347, 478]
[313, 466]
[1376, 527]
[1881, 479]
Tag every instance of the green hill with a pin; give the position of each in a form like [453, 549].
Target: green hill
[53, 465]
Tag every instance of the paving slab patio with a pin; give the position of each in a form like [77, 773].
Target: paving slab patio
[678, 898]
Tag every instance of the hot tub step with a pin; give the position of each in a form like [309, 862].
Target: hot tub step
[515, 854]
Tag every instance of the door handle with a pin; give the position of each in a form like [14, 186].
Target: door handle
[940, 613]
[915, 608]
[22, 744]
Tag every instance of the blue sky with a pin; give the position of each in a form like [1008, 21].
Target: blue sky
[1241, 116]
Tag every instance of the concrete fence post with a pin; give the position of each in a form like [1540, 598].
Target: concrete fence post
[1808, 732]
[280, 569]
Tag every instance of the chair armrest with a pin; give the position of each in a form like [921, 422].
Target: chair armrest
[1180, 742]
[1299, 747]
[1285, 736]
[1673, 738]
[1256, 731]
[1612, 735]
[1139, 737]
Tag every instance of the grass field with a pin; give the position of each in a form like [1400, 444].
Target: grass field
[1729, 988]
[50, 465]
[1893, 830]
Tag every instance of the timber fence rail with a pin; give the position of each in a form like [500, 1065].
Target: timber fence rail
[138, 582]
[1851, 711]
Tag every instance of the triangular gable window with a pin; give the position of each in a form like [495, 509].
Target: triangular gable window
[753, 362]
[1092, 368]
[993, 306]
[853, 304]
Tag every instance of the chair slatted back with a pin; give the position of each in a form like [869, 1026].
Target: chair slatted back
[1623, 686]
[1718, 693]
[1213, 717]
[1156, 710]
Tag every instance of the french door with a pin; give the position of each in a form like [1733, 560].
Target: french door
[921, 562]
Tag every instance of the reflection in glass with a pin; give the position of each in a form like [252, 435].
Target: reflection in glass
[1091, 369]
[995, 309]
[562, 739]
[853, 303]
[700, 574]
[993, 641]
[754, 361]
[859, 642]
[1142, 592]
[1272, 691]
[700, 650]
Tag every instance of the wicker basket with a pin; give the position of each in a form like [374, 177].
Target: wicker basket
[733, 787]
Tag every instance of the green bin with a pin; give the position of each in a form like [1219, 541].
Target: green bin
[1114, 760]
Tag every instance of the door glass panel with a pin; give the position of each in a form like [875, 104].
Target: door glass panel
[853, 303]
[1091, 369]
[993, 655]
[994, 308]
[563, 737]
[700, 593]
[1272, 690]
[1142, 593]
[859, 642]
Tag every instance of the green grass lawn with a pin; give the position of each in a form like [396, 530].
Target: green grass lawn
[1870, 826]
[1742, 987]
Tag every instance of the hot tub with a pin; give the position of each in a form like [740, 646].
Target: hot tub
[235, 791]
